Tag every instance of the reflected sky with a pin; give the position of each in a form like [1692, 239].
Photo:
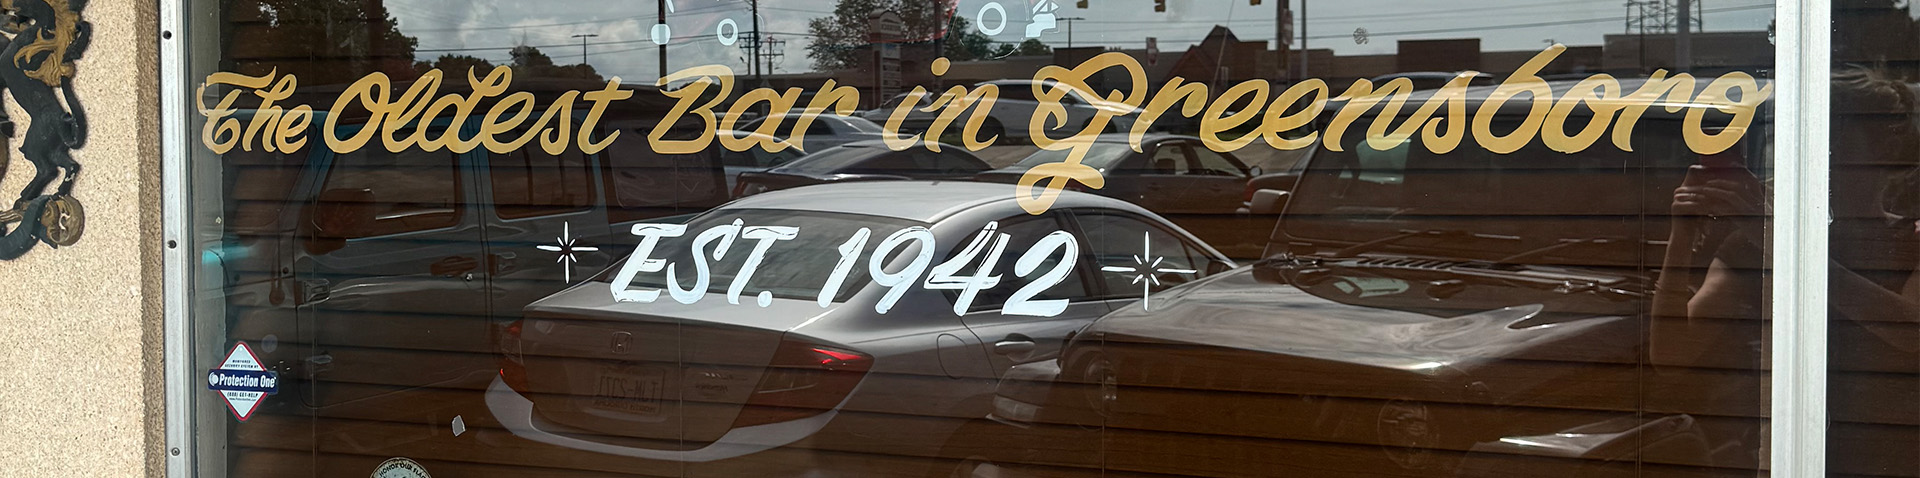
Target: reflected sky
[488, 28]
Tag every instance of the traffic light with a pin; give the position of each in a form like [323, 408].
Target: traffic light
[1159, 5]
[1082, 4]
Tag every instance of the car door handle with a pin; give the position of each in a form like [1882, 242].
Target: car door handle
[502, 263]
[1014, 346]
[453, 266]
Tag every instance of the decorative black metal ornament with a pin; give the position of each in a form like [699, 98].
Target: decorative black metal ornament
[43, 38]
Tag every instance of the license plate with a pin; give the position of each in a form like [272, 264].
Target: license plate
[629, 389]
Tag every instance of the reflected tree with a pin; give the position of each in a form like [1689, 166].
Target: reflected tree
[840, 41]
[321, 41]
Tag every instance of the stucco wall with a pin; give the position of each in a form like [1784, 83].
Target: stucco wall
[80, 327]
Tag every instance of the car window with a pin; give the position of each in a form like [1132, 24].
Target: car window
[641, 183]
[946, 162]
[1133, 254]
[1016, 93]
[1024, 233]
[258, 185]
[861, 124]
[750, 126]
[1099, 156]
[1209, 163]
[756, 157]
[413, 190]
[1168, 159]
[529, 182]
[831, 160]
[891, 163]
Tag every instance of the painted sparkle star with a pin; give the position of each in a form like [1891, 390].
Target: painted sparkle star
[564, 246]
[1143, 271]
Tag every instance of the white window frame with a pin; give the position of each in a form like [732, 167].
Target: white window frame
[1803, 65]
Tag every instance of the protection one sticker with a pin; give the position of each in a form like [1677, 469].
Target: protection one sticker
[242, 381]
[398, 467]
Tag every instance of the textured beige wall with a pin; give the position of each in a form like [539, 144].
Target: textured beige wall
[80, 327]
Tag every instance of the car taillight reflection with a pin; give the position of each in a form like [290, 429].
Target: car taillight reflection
[513, 365]
[803, 380]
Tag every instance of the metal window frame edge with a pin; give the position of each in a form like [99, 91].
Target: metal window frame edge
[1803, 59]
[176, 293]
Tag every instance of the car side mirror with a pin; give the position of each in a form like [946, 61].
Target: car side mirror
[1268, 202]
[1216, 267]
[340, 214]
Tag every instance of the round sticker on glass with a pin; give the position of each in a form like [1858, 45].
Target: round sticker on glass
[397, 467]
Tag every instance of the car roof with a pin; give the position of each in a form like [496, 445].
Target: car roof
[1144, 139]
[881, 145]
[922, 201]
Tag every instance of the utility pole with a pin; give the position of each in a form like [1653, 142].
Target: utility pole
[757, 79]
[1683, 39]
[1282, 40]
[663, 45]
[1305, 59]
[583, 45]
[1070, 21]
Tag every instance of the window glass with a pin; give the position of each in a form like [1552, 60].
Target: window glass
[1873, 241]
[1169, 159]
[261, 184]
[642, 183]
[530, 182]
[1209, 163]
[1124, 240]
[1558, 266]
[795, 278]
[1024, 234]
[1101, 155]
[407, 191]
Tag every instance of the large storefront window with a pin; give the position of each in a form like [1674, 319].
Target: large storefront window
[1026, 238]
[1874, 353]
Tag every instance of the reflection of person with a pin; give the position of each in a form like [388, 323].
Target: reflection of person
[1712, 269]
[1711, 281]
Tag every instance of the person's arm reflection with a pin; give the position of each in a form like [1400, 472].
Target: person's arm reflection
[1711, 276]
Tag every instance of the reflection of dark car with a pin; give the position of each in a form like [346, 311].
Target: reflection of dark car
[1422, 314]
[704, 377]
[342, 266]
[1174, 176]
[863, 161]
[753, 159]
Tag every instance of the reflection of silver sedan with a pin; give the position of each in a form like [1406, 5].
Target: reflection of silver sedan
[719, 369]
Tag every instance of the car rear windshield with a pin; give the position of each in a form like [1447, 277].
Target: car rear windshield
[831, 160]
[792, 269]
[861, 124]
[1100, 156]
